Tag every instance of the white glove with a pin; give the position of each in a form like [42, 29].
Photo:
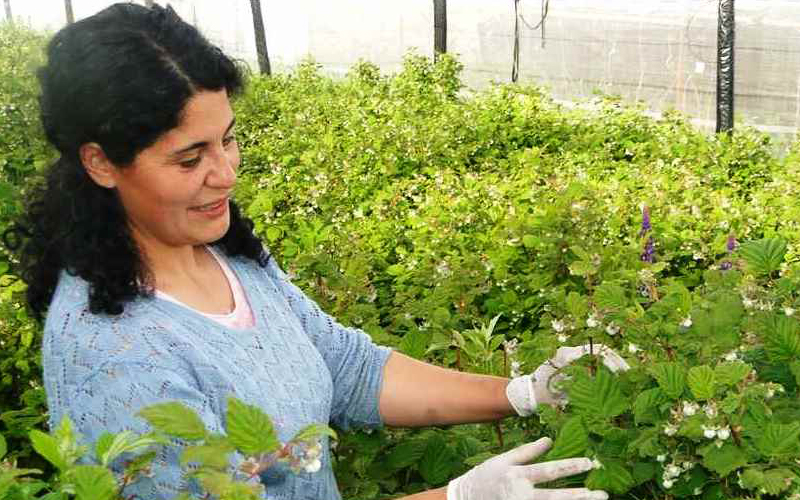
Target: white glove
[506, 477]
[527, 391]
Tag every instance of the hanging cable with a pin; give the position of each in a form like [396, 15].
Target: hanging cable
[539, 25]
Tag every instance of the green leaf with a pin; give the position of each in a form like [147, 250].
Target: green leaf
[702, 382]
[250, 429]
[612, 477]
[723, 460]
[610, 297]
[646, 407]
[781, 338]
[597, 397]
[209, 455]
[764, 256]
[670, 377]
[778, 480]
[405, 453]
[175, 419]
[92, 482]
[530, 241]
[572, 440]
[102, 445]
[46, 446]
[273, 234]
[779, 440]
[414, 344]
[3, 446]
[139, 464]
[577, 305]
[731, 372]
[437, 461]
[314, 431]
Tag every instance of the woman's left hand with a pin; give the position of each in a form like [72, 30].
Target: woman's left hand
[526, 392]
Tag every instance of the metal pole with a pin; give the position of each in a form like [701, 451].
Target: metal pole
[439, 27]
[70, 15]
[9, 17]
[725, 65]
[261, 38]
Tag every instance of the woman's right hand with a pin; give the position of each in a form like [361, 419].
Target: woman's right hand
[508, 477]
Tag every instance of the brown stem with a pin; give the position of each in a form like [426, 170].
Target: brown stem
[499, 431]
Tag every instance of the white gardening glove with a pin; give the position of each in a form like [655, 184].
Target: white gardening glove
[507, 477]
[527, 391]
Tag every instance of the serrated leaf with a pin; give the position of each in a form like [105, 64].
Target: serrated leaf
[437, 462]
[702, 382]
[763, 256]
[779, 440]
[314, 431]
[3, 446]
[140, 463]
[597, 397]
[92, 482]
[214, 455]
[752, 478]
[175, 419]
[572, 440]
[731, 372]
[671, 378]
[612, 477]
[610, 297]
[249, 429]
[102, 445]
[646, 406]
[128, 442]
[723, 460]
[778, 480]
[577, 305]
[46, 446]
[781, 338]
[405, 453]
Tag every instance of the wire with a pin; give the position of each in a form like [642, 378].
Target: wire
[539, 25]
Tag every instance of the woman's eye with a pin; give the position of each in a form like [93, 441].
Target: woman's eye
[190, 163]
[228, 140]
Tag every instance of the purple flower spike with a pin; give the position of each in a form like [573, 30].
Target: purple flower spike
[645, 221]
[732, 244]
[649, 250]
[726, 266]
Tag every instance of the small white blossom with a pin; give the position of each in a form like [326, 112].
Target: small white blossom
[672, 470]
[697, 491]
[558, 325]
[596, 464]
[709, 432]
[661, 458]
[748, 303]
[633, 348]
[515, 369]
[312, 466]
[770, 393]
[731, 356]
[668, 483]
[690, 408]
[562, 338]
[788, 311]
[687, 322]
[711, 410]
[724, 433]
[611, 329]
[670, 429]
[592, 322]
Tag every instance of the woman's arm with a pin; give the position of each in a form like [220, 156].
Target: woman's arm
[415, 394]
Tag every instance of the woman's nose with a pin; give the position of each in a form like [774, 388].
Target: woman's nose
[224, 172]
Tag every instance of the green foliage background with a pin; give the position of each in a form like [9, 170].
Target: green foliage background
[419, 212]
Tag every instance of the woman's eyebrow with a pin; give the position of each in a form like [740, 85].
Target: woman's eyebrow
[200, 144]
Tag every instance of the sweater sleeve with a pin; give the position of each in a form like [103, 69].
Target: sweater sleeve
[108, 400]
[354, 361]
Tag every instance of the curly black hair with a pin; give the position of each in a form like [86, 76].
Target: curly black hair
[120, 78]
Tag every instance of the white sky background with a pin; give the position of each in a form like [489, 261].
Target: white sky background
[659, 51]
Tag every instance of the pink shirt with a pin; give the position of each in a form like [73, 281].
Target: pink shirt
[242, 315]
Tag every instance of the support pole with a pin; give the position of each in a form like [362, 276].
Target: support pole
[725, 65]
[9, 17]
[70, 14]
[261, 38]
[439, 27]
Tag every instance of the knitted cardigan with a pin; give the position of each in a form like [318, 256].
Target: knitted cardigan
[297, 364]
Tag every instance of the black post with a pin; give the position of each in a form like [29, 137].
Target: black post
[439, 27]
[70, 14]
[725, 64]
[261, 38]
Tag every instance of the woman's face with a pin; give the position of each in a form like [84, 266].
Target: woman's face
[176, 191]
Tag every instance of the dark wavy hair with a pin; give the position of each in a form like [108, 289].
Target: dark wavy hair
[120, 78]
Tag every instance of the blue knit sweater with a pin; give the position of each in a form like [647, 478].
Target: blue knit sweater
[297, 364]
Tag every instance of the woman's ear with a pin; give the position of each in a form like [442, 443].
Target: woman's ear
[97, 165]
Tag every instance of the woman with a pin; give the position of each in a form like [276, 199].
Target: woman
[156, 289]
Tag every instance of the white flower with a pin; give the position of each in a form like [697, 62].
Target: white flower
[661, 458]
[668, 483]
[690, 408]
[709, 432]
[724, 433]
[596, 464]
[672, 470]
[687, 322]
[788, 311]
[592, 322]
[697, 491]
[711, 410]
[670, 430]
[731, 356]
[687, 465]
[515, 369]
[558, 325]
[748, 303]
[562, 338]
[770, 393]
[611, 329]
[312, 466]
[633, 348]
